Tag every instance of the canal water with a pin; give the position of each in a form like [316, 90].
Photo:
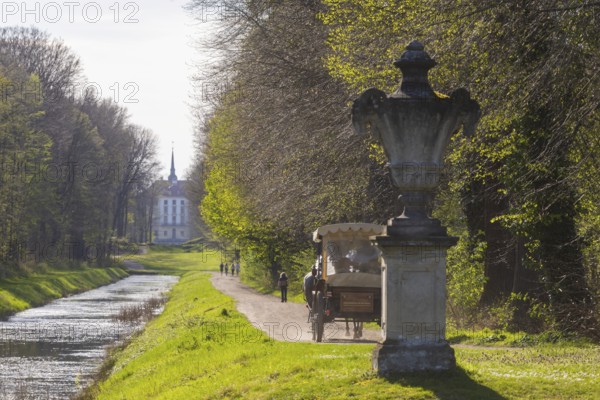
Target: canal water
[51, 352]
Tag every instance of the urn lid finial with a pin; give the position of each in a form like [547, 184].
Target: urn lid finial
[415, 64]
[415, 56]
[415, 45]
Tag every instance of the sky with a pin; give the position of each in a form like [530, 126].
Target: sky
[140, 54]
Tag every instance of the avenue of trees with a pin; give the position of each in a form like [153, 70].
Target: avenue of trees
[73, 169]
[279, 157]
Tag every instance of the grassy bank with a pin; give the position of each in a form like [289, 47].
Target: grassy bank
[20, 293]
[201, 348]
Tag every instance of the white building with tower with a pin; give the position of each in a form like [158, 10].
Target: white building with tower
[172, 220]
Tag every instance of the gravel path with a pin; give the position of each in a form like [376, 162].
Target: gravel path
[282, 321]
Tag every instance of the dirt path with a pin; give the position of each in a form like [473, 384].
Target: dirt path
[282, 321]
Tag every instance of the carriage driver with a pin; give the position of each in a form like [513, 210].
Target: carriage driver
[308, 285]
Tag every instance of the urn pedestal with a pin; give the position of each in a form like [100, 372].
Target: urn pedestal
[413, 319]
[414, 126]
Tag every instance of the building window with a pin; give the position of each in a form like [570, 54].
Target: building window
[174, 202]
[174, 219]
[182, 202]
[174, 210]
[174, 233]
[166, 202]
[166, 211]
[165, 233]
[165, 220]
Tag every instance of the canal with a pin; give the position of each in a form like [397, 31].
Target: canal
[51, 352]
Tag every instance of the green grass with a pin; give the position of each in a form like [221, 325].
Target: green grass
[200, 347]
[494, 337]
[540, 372]
[175, 261]
[20, 293]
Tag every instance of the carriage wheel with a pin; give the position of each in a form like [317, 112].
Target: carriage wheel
[319, 317]
[313, 318]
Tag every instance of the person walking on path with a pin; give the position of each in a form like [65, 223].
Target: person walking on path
[237, 268]
[226, 269]
[221, 267]
[283, 284]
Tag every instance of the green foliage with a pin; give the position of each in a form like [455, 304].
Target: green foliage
[22, 147]
[68, 166]
[465, 279]
[517, 179]
[224, 206]
[352, 27]
[515, 194]
[278, 155]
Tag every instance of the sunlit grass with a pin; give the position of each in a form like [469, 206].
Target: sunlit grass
[202, 348]
[495, 337]
[177, 261]
[36, 289]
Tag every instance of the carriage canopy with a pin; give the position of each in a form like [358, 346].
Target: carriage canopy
[348, 254]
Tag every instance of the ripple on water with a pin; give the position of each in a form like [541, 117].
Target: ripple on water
[49, 352]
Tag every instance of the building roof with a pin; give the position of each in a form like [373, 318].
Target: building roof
[172, 187]
[175, 189]
[173, 176]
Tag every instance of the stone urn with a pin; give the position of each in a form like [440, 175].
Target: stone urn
[414, 126]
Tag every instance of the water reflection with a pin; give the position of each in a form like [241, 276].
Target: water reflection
[51, 351]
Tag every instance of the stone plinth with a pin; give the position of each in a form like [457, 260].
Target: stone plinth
[413, 319]
[389, 359]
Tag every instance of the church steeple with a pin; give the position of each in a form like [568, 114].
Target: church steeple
[172, 177]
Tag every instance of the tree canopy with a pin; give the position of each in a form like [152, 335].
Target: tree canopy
[521, 194]
[70, 164]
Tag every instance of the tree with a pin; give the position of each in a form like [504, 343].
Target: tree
[519, 174]
[290, 161]
[78, 160]
[22, 148]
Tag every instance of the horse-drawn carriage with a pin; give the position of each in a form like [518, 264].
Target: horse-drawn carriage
[345, 283]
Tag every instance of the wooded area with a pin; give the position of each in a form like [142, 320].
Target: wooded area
[279, 157]
[74, 172]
